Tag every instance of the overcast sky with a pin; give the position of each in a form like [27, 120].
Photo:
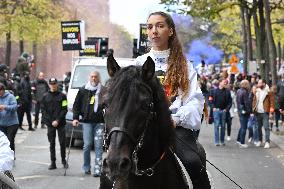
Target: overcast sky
[130, 13]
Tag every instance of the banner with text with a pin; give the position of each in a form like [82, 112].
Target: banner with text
[91, 48]
[73, 35]
[143, 39]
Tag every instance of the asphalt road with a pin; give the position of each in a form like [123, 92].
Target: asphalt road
[251, 168]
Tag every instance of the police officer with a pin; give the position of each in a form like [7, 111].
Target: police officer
[54, 109]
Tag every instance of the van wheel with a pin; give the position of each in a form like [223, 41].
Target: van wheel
[68, 142]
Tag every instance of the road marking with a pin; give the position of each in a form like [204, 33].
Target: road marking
[36, 147]
[280, 156]
[36, 162]
[31, 177]
[21, 136]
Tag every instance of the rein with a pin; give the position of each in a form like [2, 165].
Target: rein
[149, 171]
[137, 143]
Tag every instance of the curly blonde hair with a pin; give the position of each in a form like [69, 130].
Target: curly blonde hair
[177, 70]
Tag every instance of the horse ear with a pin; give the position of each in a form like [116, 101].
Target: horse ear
[148, 69]
[112, 66]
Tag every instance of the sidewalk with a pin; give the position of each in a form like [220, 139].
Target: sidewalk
[278, 137]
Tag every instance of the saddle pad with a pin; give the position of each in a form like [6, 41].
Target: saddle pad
[185, 175]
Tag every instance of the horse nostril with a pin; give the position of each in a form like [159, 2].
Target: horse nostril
[124, 164]
[105, 164]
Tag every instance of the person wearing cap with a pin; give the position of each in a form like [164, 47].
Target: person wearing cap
[54, 109]
[8, 115]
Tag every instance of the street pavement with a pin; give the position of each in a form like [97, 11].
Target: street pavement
[251, 168]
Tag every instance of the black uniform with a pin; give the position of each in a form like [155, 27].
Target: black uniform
[54, 108]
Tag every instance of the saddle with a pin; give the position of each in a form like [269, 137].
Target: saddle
[182, 171]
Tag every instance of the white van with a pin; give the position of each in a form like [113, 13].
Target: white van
[82, 68]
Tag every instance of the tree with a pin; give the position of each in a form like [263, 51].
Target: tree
[188, 29]
[213, 9]
[7, 12]
[278, 33]
[271, 44]
[226, 33]
[29, 20]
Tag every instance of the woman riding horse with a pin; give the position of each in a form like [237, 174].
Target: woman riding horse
[139, 122]
[180, 81]
[140, 131]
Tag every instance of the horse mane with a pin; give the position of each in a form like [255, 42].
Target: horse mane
[122, 84]
[164, 121]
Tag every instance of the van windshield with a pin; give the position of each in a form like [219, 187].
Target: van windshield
[81, 75]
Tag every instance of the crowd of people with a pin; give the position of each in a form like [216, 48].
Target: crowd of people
[227, 95]
[19, 96]
[257, 103]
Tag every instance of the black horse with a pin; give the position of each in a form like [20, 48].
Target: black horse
[140, 131]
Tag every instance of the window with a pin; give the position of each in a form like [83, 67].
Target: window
[81, 75]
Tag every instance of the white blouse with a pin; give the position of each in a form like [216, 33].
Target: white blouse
[189, 109]
[6, 154]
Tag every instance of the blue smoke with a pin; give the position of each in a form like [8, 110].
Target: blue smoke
[200, 49]
[182, 20]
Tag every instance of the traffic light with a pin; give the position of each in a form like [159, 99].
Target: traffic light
[103, 47]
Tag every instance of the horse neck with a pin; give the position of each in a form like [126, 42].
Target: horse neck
[151, 149]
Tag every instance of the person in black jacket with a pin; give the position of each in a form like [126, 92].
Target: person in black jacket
[88, 104]
[244, 110]
[221, 104]
[3, 74]
[25, 101]
[54, 109]
[39, 87]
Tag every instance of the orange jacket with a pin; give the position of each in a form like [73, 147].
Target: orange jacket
[268, 103]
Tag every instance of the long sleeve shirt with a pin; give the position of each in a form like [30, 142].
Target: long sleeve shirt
[189, 109]
[222, 99]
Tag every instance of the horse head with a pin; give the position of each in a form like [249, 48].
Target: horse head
[135, 102]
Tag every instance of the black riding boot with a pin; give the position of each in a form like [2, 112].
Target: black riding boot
[52, 165]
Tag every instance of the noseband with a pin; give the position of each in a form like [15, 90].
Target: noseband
[138, 143]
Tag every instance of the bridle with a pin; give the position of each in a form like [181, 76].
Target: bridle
[138, 143]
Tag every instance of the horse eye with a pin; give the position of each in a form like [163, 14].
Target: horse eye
[146, 106]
